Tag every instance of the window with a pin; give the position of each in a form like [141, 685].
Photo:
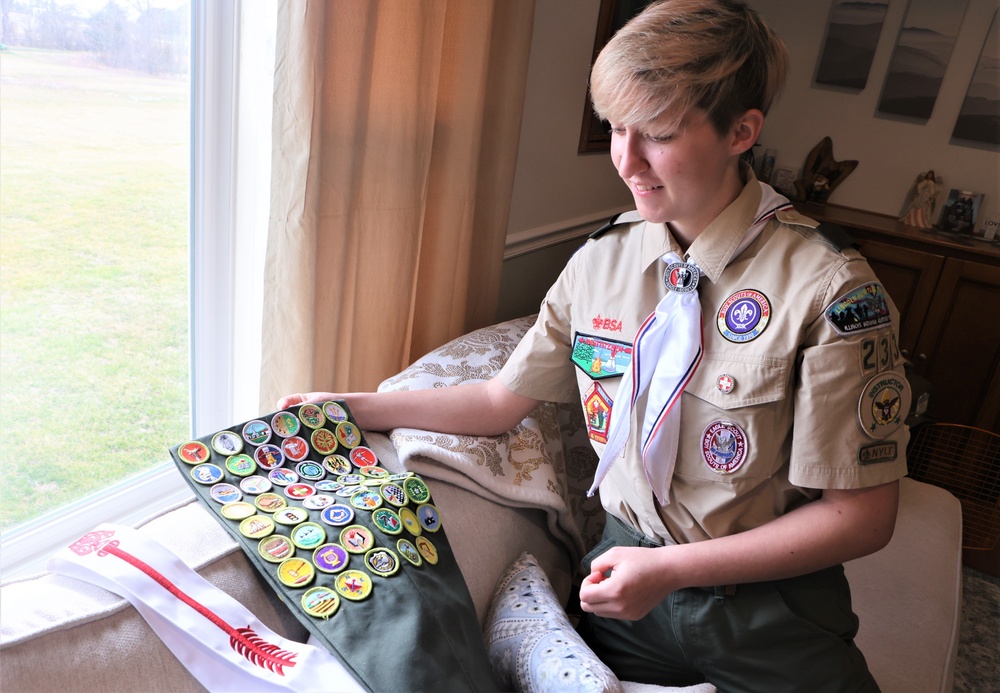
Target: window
[120, 317]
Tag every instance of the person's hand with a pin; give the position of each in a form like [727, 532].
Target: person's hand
[626, 583]
[302, 398]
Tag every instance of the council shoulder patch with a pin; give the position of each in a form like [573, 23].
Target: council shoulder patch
[859, 310]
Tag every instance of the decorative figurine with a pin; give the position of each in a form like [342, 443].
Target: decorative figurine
[821, 173]
[922, 200]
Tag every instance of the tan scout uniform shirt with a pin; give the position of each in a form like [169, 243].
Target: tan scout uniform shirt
[817, 409]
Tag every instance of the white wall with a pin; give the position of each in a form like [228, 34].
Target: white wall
[555, 185]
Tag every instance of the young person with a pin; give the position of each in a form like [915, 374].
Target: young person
[732, 506]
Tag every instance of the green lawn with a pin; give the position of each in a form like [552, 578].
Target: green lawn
[93, 276]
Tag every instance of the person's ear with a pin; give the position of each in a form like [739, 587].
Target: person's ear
[745, 131]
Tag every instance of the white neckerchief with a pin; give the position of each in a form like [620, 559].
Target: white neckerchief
[672, 335]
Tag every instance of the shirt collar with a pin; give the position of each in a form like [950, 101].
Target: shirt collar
[714, 247]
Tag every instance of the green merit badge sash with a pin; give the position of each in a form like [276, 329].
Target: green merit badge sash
[357, 553]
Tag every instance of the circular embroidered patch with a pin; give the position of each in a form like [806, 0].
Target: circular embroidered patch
[269, 456]
[194, 452]
[318, 502]
[295, 448]
[382, 561]
[356, 539]
[744, 315]
[337, 515]
[270, 502]
[255, 485]
[296, 572]
[348, 435]
[387, 520]
[299, 491]
[363, 457]
[285, 424]
[331, 558]
[256, 432]
[291, 516]
[354, 585]
[225, 493]
[312, 415]
[237, 510]
[227, 443]
[394, 494]
[416, 489]
[334, 412]
[308, 535]
[427, 549]
[282, 476]
[884, 403]
[408, 551]
[257, 526]
[206, 474]
[724, 447]
[337, 464]
[275, 548]
[241, 465]
[320, 602]
[366, 500]
[312, 471]
[323, 441]
[429, 518]
[410, 522]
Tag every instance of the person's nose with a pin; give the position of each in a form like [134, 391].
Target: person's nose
[631, 154]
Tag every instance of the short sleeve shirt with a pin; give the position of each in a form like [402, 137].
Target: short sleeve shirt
[800, 388]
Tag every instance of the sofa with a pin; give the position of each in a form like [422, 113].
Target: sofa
[509, 504]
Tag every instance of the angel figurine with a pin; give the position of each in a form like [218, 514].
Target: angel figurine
[922, 201]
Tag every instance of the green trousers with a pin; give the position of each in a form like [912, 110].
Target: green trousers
[765, 637]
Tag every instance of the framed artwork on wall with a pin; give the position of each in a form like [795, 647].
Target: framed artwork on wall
[979, 118]
[852, 34]
[920, 57]
[594, 134]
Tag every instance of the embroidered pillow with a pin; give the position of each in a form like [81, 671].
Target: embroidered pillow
[530, 642]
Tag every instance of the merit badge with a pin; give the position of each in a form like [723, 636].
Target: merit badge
[331, 558]
[285, 424]
[296, 572]
[241, 465]
[334, 412]
[599, 357]
[427, 549]
[282, 476]
[597, 406]
[275, 548]
[299, 490]
[256, 432]
[310, 471]
[744, 315]
[328, 485]
[318, 502]
[270, 502]
[354, 585]
[387, 520]
[394, 494]
[374, 472]
[269, 456]
[408, 551]
[366, 499]
[257, 526]
[346, 491]
[382, 562]
[724, 447]
[348, 434]
[194, 452]
[363, 457]
[725, 383]
[308, 535]
[206, 474]
[884, 403]
[225, 493]
[410, 521]
[337, 464]
[321, 602]
[227, 443]
[877, 452]
[237, 510]
[295, 448]
[291, 516]
[337, 515]
[356, 539]
[255, 485]
[860, 309]
[312, 415]
[681, 277]
[428, 516]
[323, 441]
[416, 489]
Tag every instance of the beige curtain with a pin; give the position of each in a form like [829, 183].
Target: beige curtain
[395, 138]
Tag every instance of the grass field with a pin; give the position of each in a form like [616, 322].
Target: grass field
[93, 276]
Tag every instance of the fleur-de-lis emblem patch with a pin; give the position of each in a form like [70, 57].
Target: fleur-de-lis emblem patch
[744, 315]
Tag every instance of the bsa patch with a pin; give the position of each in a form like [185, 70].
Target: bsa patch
[600, 358]
[877, 452]
[859, 310]
[597, 405]
[744, 315]
[724, 447]
[884, 402]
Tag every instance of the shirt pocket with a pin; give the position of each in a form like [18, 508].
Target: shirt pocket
[743, 400]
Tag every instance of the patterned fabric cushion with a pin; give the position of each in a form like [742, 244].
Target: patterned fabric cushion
[530, 641]
[546, 462]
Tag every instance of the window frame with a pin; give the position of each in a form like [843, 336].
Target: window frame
[227, 237]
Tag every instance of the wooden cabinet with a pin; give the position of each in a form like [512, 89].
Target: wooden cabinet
[948, 293]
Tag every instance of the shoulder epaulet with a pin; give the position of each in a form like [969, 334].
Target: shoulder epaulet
[833, 234]
[617, 220]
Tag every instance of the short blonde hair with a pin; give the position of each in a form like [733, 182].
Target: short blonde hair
[716, 55]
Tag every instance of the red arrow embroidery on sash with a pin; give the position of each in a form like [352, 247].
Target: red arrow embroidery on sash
[244, 641]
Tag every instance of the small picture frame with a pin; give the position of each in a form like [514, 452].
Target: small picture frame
[959, 212]
[989, 229]
[784, 181]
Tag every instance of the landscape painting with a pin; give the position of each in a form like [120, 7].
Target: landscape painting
[921, 55]
[852, 35]
[979, 119]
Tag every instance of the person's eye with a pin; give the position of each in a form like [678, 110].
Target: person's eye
[659, 139]
[615, 130]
